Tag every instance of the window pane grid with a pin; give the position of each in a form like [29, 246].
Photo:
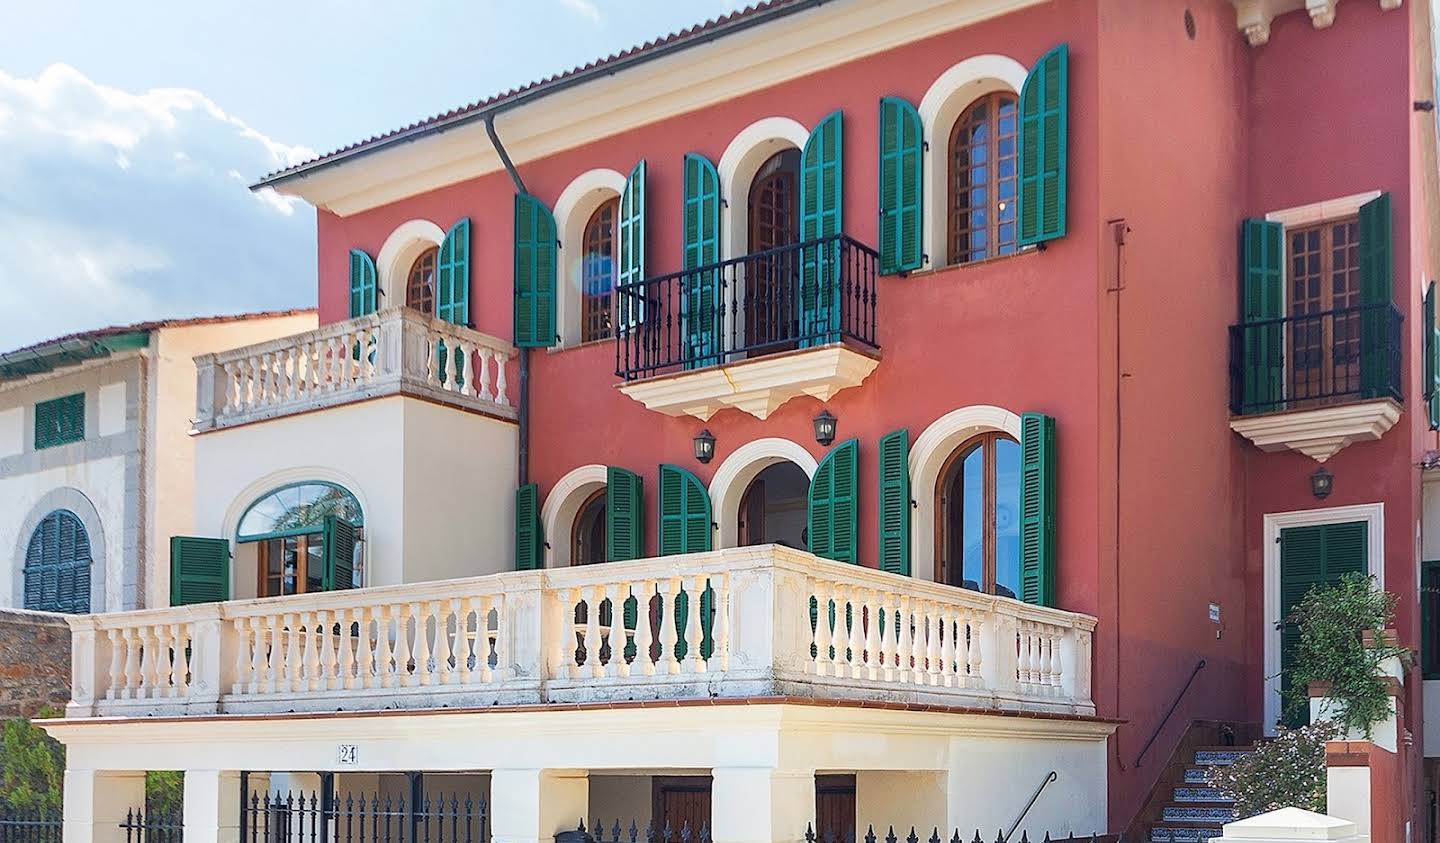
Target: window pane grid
[1324, 266]
[420, 288]
[983, 163]
[597, 273]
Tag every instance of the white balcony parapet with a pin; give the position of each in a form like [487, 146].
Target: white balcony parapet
[397, 351]
[732, 623]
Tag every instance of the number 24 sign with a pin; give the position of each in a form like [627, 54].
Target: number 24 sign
[348, 754]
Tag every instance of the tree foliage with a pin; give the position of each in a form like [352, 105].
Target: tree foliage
[32, 766]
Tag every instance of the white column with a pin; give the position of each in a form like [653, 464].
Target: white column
[761, 804]
[532, 806]
[96, 802]
[212, 806]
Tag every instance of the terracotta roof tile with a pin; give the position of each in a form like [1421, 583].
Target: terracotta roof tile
[157, 324]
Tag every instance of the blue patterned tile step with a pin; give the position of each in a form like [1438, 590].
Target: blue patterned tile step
[1180, 834]
[1198, 815]
[1218, 757]
[1202, 794]
[1197, 775]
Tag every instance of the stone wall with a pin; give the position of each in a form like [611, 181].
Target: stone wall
[34, 662]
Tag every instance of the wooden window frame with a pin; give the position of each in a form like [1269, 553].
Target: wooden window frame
[957, 224]
[987, 442]
[302, 564]
[415, 281]
[597, 306]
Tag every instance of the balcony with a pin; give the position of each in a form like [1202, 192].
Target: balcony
[394, 352]
[1317, 382]
[751, 332]
[735, 623]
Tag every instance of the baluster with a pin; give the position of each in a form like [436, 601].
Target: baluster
[145, 681]
[404, 647]
[644, 637]
[972, 649]
[364, 653]
[873, 659]
[891, 611]
[274, 652]
[839, 635]
[950, 646]
[385, 669]
[1022, 663]
[932, 643]
[243, 649]
[446, 669]
[615, 632]
[1052, 661]
[326, 636]
[502, 640]
[488, 359]
[502, 393]
[592, 597]
[904, 643]
[669, 588]
[115, 679]
[315, 360]
[720, 635]
[466, 644]
[855, 641]
[179, 667]
[694, 633]
[345, 650]
[420, 649]
[819, 641]
[571, 632]
[1057, 669]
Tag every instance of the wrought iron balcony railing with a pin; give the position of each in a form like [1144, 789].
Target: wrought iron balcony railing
[1315, 359]
[794, 297]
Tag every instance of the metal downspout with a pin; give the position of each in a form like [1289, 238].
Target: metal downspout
[523, 405]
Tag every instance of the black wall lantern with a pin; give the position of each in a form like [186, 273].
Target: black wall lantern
[825, 428]
[1321, 482]
[704, 446]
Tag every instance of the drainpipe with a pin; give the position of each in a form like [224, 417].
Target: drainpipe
[523, 408]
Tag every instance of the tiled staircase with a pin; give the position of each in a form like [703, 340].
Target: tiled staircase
[1183, 807]
[1196, 810]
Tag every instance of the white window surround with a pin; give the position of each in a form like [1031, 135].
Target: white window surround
[928, 455]
[562, 506]
[1253, 17]
[734, 476]
[407, 242]
[577, 203]
[942, 105]
[751, 147]
[1373, 514]
[1318, 432]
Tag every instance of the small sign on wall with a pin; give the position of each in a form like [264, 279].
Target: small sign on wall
[348, 755]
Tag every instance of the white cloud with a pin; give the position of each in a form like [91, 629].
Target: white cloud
[584, 8]
[122, 207]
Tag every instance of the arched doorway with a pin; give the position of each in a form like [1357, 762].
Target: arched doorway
[587, 540]
[977, 525]
[773, 222]
[772, 510]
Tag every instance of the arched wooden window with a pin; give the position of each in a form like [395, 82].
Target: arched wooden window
[978, 516]
[597, 273]
[420, 286]
[57, 565]
[982, 181]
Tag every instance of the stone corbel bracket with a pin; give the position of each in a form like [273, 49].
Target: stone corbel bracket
[1253, 17]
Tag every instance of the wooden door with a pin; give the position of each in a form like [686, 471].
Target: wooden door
[770, 279]
[752, 514]
[835, 808]
[1324, 277]
[681, 801]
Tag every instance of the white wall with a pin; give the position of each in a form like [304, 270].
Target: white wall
[436, 484]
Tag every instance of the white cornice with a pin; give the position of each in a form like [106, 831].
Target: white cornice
[695, 78]
[1319, 433]
[1253, 17]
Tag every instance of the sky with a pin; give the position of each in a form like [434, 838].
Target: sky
[130, 132]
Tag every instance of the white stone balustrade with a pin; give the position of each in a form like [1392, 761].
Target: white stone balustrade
[732, 623]
[398, 351]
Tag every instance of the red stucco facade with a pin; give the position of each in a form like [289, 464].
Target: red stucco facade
[1173, 140]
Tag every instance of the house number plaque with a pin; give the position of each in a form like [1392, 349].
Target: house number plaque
[348, 755]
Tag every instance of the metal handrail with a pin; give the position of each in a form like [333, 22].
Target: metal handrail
[1044, 783]
[1174, 705]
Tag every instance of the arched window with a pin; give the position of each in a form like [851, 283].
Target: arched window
[307, 537]
[420, 285]
[57, 565]
[982, 180]
[978, 516]
[597, 272]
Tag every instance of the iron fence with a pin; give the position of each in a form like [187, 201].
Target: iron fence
[664, 832]
[30, 827]
[797, 296]
[1313, 359]
[848, 836]
[143, 825]
[324, 816]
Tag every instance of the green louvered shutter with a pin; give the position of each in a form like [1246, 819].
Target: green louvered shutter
[535, 262]
[831, 511]
[624, 515]
[452, 276]
[363, 284]
[902, 141]
[57, 565]
[1044, 130]
[339, 538]
[199, 570]
[529, 538]
[821, 216]
[701, 312]
[1432, 362]
[1037, 509]
[632, 246]
[1262, 256]
[894, 516]
[60, 421]
[1377, 269]
[1310, 557]
[684, 512]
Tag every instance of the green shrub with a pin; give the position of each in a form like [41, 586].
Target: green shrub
[32, 766]
[164, 792]
[1288, 771]
[1332, 620]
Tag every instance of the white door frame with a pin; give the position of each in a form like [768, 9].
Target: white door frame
[1373, 514]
